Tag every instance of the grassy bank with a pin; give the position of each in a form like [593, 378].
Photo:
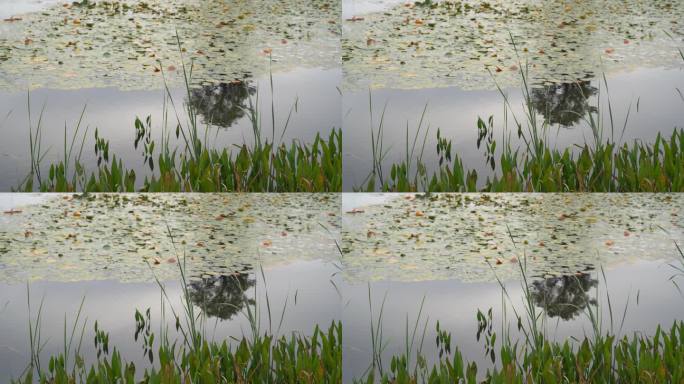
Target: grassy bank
[267, 164]
[605, 355]
[603, 163]
[607, 359]
[188, 354]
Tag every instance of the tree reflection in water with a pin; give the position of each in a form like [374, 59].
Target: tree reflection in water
[222, 296]
[564, 296]
[565, 103]
[221, 104]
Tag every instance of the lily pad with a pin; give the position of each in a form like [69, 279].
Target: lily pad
[468, 43]
[131, 44]
[472, 237]
[122, 236]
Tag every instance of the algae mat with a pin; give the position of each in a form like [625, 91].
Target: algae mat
[132, 237]
[473, 237]
[132, 44]
[468, 43]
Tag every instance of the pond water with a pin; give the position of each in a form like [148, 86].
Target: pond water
[110, 249]
[9, 8]
[570, 241]
[647, 99]
[651, 299]
[116, 59]
[120, 236]
[449, 249]
[450, 56]
[315, 106]
[467, 236]
[303, 287]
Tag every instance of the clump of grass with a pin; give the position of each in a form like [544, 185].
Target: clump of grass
[266, 165]
[601, 357]
[602, 165]
[263, 356]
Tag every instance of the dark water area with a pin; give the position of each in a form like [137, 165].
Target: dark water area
[647, 97]
[304, 288]
[309, 96]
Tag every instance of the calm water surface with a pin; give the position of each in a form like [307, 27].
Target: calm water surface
[566, 242]
[455, 113]
[310, 94]
[242, 249]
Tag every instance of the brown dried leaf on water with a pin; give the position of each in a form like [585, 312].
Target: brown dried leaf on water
[420, 213]
[28, 233]
[610, 50]
[609, 243]
[156, 261]
[356, 210]
[266, 243]
[77, 214]
[499, 261]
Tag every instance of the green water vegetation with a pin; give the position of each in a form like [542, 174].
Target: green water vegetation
[605, 355]
[261, 356]
[443, 43]
[265, 165]
[601, 357]
[601, 164]
[81, 44]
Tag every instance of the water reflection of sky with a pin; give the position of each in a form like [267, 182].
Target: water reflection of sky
[119, 280]
[303, 286]
[455, 113]
[311, 94]
[651, 300]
